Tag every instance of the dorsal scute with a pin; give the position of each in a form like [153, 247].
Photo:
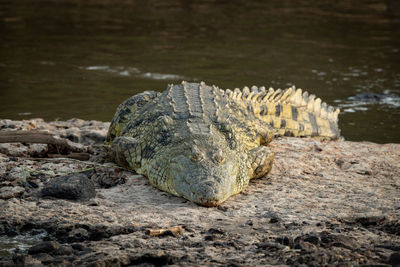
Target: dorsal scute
[286, 94]
[298, 98]
[275, 95]
[245, 91]
[257, 97]
[317, 106]
[254, 89]
[269, 93]
[304, 101]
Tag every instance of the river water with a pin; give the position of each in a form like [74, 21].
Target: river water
[71, 58]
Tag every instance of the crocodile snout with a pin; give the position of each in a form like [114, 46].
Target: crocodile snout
[208, 194]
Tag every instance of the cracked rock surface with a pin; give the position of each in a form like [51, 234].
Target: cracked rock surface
[323, 203]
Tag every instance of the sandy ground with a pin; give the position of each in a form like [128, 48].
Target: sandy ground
[323, 203]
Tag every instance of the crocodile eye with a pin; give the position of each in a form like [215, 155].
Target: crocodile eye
[196, 155]
[219, 157]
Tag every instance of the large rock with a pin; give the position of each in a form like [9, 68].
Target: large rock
[74, 186]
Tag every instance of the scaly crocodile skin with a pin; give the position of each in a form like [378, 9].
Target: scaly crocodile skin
[205, 144]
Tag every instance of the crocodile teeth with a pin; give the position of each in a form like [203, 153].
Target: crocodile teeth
[228, 92]
[317, 106]
[261, 89]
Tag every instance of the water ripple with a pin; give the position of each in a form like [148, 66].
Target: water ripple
[362, 101]
[133, 71]
[161, 76]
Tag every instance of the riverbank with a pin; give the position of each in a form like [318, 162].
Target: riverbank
[323, 203]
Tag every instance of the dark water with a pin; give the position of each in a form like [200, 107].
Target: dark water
[71, 58]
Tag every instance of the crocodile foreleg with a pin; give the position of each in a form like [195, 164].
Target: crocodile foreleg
[261, 159]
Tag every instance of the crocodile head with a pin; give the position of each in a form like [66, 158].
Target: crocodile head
[207, 173]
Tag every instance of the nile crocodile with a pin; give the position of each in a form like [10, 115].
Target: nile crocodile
[205, 144]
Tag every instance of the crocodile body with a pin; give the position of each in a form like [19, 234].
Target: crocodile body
[205, 144]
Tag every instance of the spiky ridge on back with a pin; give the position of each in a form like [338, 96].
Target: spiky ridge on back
[290, 112]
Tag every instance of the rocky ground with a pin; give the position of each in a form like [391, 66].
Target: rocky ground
[324, 203]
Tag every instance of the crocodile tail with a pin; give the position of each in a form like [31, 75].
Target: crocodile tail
[291, 112]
